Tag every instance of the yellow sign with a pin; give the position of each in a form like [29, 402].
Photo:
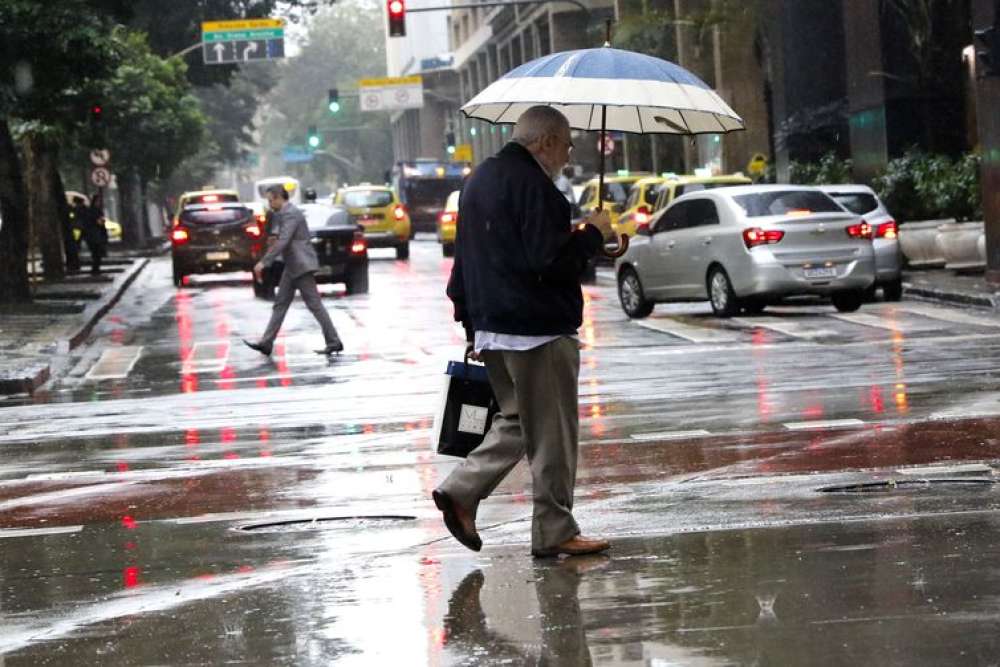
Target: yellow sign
[757, 165]
[245, 24]
[391, 81]
[463, 153]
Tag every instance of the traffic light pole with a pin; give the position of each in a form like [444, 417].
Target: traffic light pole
[986, 13]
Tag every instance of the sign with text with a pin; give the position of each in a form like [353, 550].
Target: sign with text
[391, 93]
[228, 42]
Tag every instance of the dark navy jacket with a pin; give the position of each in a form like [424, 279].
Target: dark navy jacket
[518, 260]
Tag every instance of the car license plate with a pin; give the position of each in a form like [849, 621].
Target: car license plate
[216, 256]
[822, 272]
[369, 219]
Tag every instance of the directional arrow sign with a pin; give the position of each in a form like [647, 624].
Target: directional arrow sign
[225, 42]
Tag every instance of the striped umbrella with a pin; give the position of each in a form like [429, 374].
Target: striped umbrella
[608, 89]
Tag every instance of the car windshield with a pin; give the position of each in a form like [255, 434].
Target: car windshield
[856, 202]
[213, 215]
[616, 192]
[782, 202]
[367, 198]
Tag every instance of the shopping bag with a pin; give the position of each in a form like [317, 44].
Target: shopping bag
[466, 409]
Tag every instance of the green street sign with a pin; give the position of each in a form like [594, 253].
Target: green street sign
[227, 42]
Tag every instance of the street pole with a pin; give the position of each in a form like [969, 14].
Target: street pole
[986, 13]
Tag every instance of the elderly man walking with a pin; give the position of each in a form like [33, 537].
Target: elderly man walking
[294, 247]
[515, 284]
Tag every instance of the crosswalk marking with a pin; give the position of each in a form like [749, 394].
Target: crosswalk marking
[784, 326]
[689, 332]
[115, 363]
[670, 435]
[831, 423]
[207, 357]
[37, 532]
[950, 315]
[890, 323]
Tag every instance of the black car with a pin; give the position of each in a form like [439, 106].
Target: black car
[214, 238]
[340, 247]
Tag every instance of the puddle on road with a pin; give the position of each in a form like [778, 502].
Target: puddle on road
[326, 523]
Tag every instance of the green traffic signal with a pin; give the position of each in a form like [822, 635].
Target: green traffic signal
[334, 107]
[313, 137]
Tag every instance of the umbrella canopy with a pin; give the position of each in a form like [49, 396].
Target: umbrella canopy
[633, 92]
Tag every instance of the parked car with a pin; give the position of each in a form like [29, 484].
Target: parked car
[745, 247]
[863, 201]
[214, 238]
[384, 219]
[340, 248]
[447, 224]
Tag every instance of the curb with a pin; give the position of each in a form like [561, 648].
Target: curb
[951, 296]
[92, 314]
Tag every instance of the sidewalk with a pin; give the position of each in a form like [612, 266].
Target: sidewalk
[946, 286]
[60, 319]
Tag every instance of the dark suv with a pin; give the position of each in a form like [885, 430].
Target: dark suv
[340, 247]
[214, 238]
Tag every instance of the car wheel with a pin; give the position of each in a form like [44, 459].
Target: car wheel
[178, 275]
[403, 250]
[448, 249]
[725, 303]
[357, 279]
[848, 301]
[631, 296]
[893, 291]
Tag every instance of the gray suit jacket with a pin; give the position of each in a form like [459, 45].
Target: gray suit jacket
[293, 245]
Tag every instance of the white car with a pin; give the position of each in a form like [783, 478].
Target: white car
[863, 201]
[744, 247]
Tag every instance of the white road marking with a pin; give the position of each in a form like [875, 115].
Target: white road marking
[115, 363]
[885, 322]
[37, 532]
[207, 357]
[670, 435]
[949, 469]
[950, 315]
[831, 423]
[806, 345]
[784, 326]
[689, 332]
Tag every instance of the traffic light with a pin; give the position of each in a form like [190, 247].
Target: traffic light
[333, 100]
[96, 113]
[988, 50]
[449, 141]
[313, 137]
[397, 18]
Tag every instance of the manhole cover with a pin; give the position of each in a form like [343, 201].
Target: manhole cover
[889, 486]
[347, 523]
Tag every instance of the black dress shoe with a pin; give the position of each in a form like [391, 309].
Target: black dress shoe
[467, 536]
[263, 349]
[331, 348]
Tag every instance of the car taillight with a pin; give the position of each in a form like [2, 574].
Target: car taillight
[447, 218]
[261, 220]
[755, 236]
[253, 230]
[862, 230]
[398, 212]
[359, 245]
[887, 230]
[179, 236]
[642, 215]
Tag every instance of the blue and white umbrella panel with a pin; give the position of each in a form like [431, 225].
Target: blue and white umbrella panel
[640, 93]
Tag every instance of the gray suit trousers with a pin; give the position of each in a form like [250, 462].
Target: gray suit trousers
[538, 395]
[306, 285]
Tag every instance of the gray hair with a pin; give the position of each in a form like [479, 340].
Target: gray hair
[537, 123]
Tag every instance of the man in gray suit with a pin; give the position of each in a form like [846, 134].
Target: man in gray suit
[296, 251]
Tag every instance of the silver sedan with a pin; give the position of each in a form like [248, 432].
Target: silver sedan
[745, 247]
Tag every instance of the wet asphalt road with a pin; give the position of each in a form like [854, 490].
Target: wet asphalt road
[800, 487]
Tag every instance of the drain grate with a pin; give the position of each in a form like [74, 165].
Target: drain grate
[889, 486]
[346, 523]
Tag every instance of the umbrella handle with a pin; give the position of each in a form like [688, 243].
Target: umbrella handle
[619, 251]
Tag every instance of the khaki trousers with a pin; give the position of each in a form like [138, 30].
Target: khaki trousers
[306, 285]
[537, 392]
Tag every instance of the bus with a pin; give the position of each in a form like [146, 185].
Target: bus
[423, 186]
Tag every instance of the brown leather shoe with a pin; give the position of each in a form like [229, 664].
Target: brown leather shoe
[459, 521]
[574, 546]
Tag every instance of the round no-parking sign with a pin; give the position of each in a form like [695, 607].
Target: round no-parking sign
[100, 176]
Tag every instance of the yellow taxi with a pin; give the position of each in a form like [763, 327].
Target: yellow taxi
[616, 191]
[639, 205]
[447, 224]
[384, 219]
[673, 186]
[207, 195]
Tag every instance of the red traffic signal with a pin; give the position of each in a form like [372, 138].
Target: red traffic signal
[397, 18]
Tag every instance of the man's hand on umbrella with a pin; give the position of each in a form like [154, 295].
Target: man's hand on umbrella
[602, 220]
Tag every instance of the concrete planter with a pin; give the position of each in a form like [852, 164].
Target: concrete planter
[963, 245]
[918, 241]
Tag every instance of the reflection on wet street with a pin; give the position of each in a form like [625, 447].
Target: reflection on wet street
[175, 498]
